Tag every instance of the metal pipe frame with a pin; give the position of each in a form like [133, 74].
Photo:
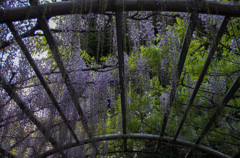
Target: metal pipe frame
[181, 61]
[41, 78]
[101, 6]
[12, 93]
[56, 55]
[176, 76]
[119, 24]
[203, 72]
[136, 136]
[219, 109]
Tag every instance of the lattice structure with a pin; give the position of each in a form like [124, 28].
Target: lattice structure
[53, 145]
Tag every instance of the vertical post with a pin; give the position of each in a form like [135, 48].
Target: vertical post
[119, 24]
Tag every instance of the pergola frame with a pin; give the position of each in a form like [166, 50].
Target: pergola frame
[140, 137]
[41, 12]
[100, 6]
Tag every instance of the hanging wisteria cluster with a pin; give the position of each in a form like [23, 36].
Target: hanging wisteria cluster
[83, 98]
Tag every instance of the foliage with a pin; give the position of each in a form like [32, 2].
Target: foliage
[88, 49]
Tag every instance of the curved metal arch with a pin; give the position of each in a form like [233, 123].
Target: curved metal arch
[135, 136]
[145, 152]
[82, 6]
[100, 6]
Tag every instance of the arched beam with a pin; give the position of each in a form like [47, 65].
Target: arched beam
[135, 136]
[145, 152]
[100, 6]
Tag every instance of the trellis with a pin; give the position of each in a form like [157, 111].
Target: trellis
[41, 11]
